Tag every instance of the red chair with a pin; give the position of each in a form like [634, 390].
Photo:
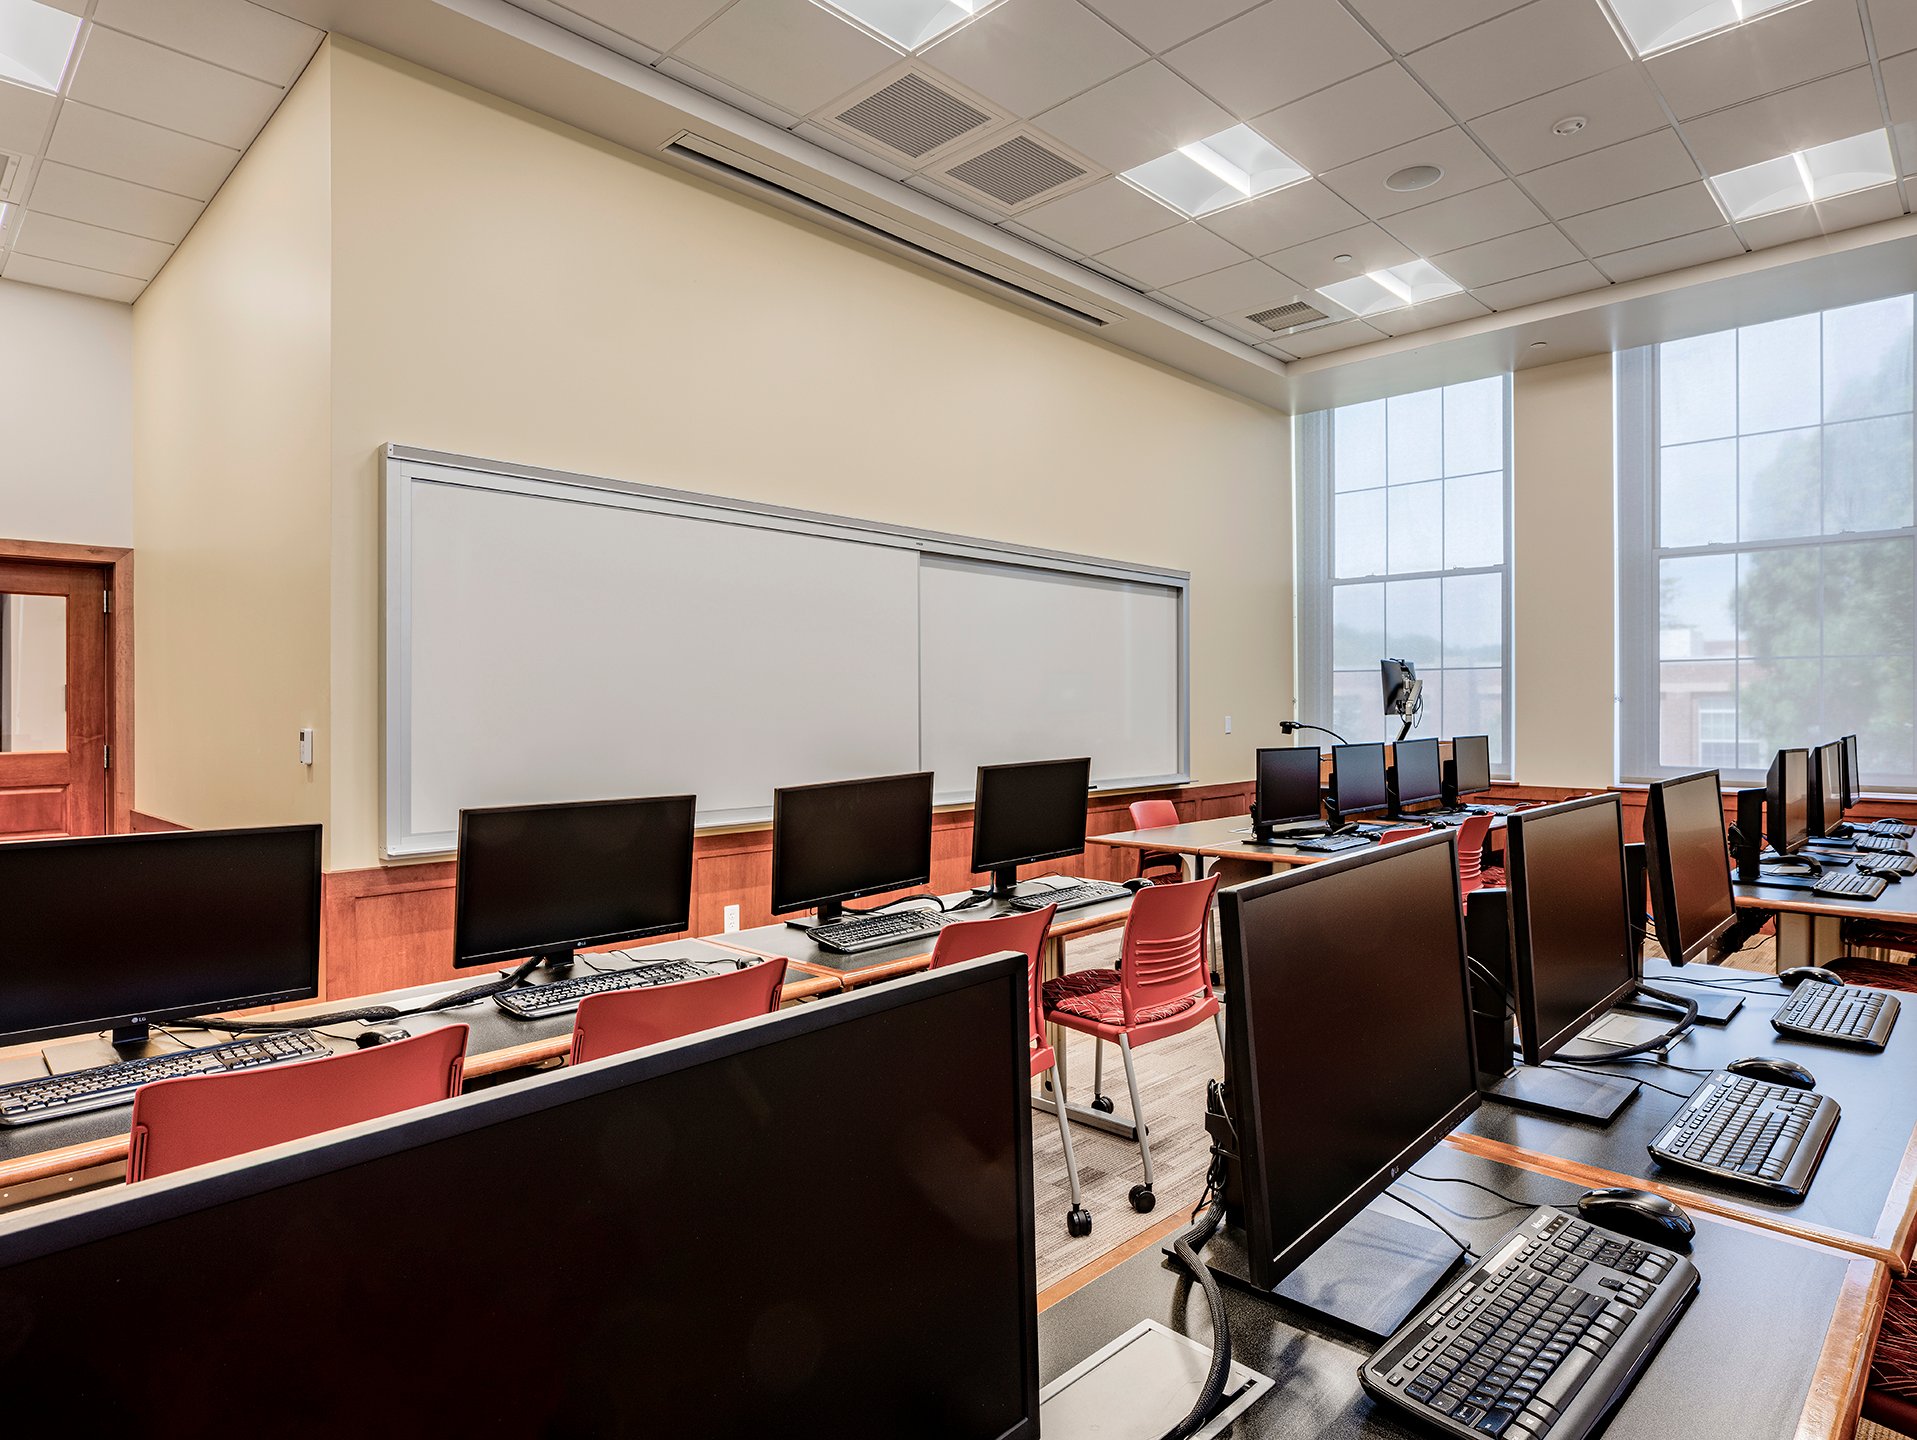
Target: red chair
[1161, 988]
[1471, 838]
[621, 1020]
[1402, 832]
[198, 1119]
[1168, 866]
[1023, 935]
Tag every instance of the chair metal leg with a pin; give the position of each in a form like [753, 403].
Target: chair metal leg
[1057, 1073]
[1223, 1048]
[1078, 1220]
[1142, 1197]
[1100, 1100]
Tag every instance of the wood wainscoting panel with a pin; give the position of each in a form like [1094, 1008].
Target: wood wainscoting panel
[41, 810]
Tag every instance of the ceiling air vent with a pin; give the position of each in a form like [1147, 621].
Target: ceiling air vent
[12, 171]
[910, 116]
[1018, 170]
[1288, 317]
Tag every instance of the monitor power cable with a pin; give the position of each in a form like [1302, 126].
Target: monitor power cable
[1186, 1248]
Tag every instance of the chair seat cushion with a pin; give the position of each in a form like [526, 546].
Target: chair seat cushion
[1491, 877]
[1891, 1397]
[1883, 974]
[1096, 995]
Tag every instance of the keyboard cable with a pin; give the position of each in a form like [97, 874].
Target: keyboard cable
[1510, 1202]
[1429, 1219]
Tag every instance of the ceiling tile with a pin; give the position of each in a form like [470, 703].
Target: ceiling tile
[51, 238]
[242, 37]
[657, 24]
[1099, 217]
[842, 145]
[1326, 338]
[1900, 89]
[1315, 263]
[133, 150]
[1864, 207]
[1354, 118]
[1828, 109]
[1030, 55]
[1274, 350]
[1289, 217]
[1893, 25]
[1782, 228]
[1409, 25]
[1140, 115]
[1430, 315]
[1465, 167]
[1158, 25]
[1546, 285]
[1507, 257]
[791, 52]
[163, 87]
[1160, 261]
[116, 204]
[1647, 219]
[1616, 105]
[1466, 219]
[1543, 46]
[31, 270]
[23, 118]
[1665, 256]
[1250, 285]
[1803, 42]
[729, 94]
[1283, 50]
[1643, 166]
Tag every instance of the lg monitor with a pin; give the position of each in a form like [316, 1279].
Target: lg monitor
[836, 842]
[1827, 788]
[655, 1177]
[1358, 779]
[1416, 774]
[1787, 802]
[1853, 773]
[1287, 789]
[536, 882]
[117, 932]
[1026, 813]
[1687, 863]
[1468, 771]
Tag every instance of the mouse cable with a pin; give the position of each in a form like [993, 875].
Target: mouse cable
[1186, 1248]
[1429, 1219]
[1664, 1089]
[1511, 1202]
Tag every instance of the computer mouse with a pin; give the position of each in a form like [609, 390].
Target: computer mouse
[1141, 883]
[1888, 875]
[368, 1038]
[1816, 974]
[1640, 1215]
[1773, 1070]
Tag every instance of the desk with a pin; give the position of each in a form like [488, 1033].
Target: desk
[1776, 1344]
[1807, 924]
[1863, 1198]
[1227, 842]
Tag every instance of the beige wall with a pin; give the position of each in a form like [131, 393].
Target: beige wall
[508, 288]
[232, 365]
[1564, 578]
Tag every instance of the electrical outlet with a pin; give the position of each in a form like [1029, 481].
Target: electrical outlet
[1228, 724]
[732, 918]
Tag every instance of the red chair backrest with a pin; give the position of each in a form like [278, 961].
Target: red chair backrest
[1153, 814]
[1164, 949]
[1401, 832]
[622, 1020]
[1471, 852]
[1021, 934]
[198, 1119]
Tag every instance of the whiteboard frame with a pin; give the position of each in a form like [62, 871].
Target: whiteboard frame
[405, 468]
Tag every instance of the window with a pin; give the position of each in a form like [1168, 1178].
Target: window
[1404, 551]
[1765, 545]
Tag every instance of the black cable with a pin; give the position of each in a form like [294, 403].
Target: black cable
[1509, 1202]
[937, 904]
[1583, 1066]
[1425, 1215]
[1510, 1005]
[1657, 1043]
[1186, 1248]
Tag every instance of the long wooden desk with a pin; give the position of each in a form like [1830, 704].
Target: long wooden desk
[1227, 842]
[1808, 925]
[1863, 1198]
[1776, 1344]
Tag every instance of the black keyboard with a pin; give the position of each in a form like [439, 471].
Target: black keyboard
[1070, 897]
[534, 1002]
[875, 932]
[1841, 1014]
[1849, 885]
[28, 1101]
[1332, 844]
[1902, 863]
[1542, 1339]
[1881, 844]
[1750, 1132]
[1896, 829]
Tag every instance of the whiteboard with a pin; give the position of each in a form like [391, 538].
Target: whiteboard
[559, 637]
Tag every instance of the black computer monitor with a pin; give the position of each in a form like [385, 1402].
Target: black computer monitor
[1688, 865]
[1787, 802]
[1287, 790]
[1853, 773]
[1358, 779]
[833, 843]
[1416, 774]
[1468, 771]
[539, 881]
[1570, 921]
[1026, 813]
[660, 1181]
[1327, 1116]
[111, 932]
[1400, 685]
[1827, 788]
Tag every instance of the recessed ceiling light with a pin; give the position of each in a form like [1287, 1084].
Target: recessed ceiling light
[1805, 177]
[36, 41]
[908, 25]
[1649, 26]
[1225, 169]
[1340, 259]
[1392, 288]
[1414, 177]
[1540, 344]
[1569, 125]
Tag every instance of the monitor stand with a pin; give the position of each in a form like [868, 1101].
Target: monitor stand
[1268, 833]
[1564, 1094]
[1713, 1008]
[134, 1041]
[828, 912]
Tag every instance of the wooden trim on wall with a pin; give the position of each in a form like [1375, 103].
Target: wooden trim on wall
[142, 823]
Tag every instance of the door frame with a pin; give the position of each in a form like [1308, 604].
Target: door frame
[117, 562]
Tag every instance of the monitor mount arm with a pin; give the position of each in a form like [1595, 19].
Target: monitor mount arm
[1292, 726]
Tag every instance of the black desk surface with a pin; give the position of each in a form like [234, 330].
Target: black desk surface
[1771, 1346]
[1861, 1197]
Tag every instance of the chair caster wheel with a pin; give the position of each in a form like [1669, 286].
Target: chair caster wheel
[1143, 1201]
[1102, 1103]
[1078, 1222]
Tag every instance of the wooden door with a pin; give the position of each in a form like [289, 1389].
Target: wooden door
[53, 700]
